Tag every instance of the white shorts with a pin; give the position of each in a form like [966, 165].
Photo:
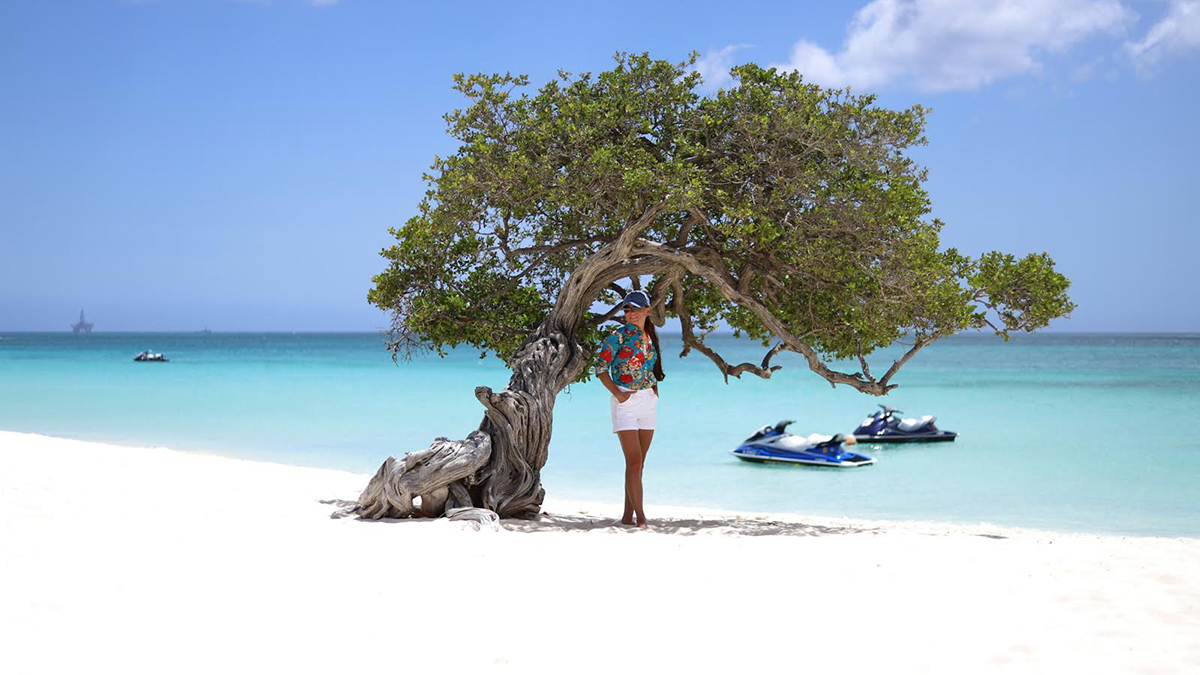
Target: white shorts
[637, 412]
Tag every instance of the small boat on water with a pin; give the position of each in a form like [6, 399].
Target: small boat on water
[885, 427]
[150, 356]
[774, 444]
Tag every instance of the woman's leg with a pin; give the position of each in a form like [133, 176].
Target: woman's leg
[644, 438]
[634, 458]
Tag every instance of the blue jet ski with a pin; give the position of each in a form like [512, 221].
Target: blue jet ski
[885, 427]
[773, 444]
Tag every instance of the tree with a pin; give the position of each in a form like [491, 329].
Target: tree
[785, 210]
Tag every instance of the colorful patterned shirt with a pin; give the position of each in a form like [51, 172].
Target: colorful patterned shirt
[628, 356]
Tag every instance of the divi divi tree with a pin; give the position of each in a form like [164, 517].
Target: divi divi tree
[782, 209]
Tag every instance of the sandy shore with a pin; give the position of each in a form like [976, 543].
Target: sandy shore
[148, 560]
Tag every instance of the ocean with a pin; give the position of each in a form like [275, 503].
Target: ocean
[1060, 431]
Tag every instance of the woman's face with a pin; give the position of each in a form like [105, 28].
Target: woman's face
[636, 315]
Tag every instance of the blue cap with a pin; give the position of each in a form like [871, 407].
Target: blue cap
[637, 299]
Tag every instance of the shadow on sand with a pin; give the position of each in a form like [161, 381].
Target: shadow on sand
[728, 526]
[740, 527]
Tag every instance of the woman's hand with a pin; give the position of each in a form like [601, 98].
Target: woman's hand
[622, 396]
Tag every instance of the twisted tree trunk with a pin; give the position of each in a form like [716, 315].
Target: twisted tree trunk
[498, 466]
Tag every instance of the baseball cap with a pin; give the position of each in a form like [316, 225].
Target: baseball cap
[637, 299]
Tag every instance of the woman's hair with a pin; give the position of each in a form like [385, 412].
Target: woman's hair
[649, 328]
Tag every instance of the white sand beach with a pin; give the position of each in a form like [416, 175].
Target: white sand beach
[149, 560]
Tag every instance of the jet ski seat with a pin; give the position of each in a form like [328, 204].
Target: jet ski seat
[911, 424]
[797, 443]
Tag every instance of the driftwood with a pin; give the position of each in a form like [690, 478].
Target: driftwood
[426, 473]
[481, 519]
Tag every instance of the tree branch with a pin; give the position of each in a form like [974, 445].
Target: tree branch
[555, 248]
[611, 262]
[594, 320]
[658, 294]
[917, 346]
[707, 264]
[692, 341]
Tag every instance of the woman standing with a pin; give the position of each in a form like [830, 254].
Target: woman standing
[630, 368]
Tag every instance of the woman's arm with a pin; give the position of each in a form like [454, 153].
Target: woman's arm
[609, 350]
[605, 380]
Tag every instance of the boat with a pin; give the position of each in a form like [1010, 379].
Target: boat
[150, 356]
[774, 444]
[884, 426]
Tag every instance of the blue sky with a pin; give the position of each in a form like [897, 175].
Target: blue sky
[178, 164]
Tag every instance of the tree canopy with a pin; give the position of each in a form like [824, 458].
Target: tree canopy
[788, 211]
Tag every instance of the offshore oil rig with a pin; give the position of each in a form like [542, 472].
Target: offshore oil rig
[82, 326]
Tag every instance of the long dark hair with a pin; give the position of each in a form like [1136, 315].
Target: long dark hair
[649, 328]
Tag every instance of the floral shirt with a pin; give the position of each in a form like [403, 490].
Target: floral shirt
[628, 356]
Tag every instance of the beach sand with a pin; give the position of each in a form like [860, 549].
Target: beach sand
[149, 560]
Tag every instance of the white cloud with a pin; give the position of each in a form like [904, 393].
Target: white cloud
[1177, 32]
[941, 45]
[714, 66]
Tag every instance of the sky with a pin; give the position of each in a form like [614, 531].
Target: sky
[181, 164]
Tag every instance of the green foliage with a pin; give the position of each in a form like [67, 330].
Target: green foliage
[803, 197]
[1026, 294]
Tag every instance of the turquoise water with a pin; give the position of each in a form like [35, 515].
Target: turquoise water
[1094, 433]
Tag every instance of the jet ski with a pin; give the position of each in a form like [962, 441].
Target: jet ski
[150, 356]
[774, 444]
[885, 427]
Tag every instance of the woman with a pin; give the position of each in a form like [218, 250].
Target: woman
[629, 366]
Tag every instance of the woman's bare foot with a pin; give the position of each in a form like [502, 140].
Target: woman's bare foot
[644, 522]
[627, 520]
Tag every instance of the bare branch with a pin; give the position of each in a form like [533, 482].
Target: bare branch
[917, 346]
[862, 360]
[766, 362]
[694, 217]
[556, 248]
[703, 220]
[611, 262]
[469, 320]
[545, 251]
[658, 294]
[597, 319]
[692, 341]
[744, 282]
[707, 264]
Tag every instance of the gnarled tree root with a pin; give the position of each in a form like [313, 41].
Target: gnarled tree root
[480, 519]
[437, 474]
